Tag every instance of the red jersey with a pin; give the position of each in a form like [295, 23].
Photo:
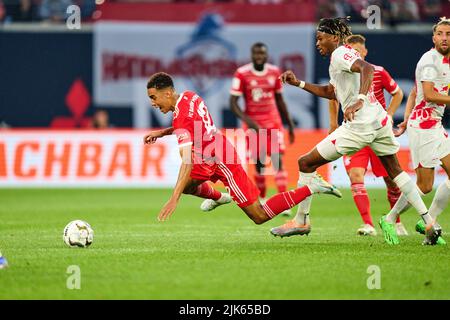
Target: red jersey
[258, 89]
[193, 125]
[382, 80]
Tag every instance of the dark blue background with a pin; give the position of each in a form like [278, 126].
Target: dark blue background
[38, 68]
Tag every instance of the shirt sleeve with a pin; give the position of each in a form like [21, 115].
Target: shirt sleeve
[344, 57]
[427, 69]
[237, 84]
[183, 125]
[388, 83]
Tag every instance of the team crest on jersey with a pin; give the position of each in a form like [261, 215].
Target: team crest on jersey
[207, 58]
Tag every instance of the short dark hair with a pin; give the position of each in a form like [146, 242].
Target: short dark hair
[160, 80]
[355, 38]
[258, 45]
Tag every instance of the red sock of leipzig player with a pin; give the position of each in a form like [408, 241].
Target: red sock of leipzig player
[261, 184]
[393, 194]
[206, 191]
[281, 180]
[362, 202]
[285, 200]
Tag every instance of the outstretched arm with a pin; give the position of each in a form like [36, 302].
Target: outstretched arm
[152, 136]
[184, 177]
[320, 91]
[282, 108]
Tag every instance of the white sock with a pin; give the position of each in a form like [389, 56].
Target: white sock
[302, 216]
[402, 205]
[225, 198]
[399, 206]
[440, 199]
[410, 191]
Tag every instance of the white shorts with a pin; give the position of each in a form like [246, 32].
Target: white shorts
[428, 146]
[347, 142]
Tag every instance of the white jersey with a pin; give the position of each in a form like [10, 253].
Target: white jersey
[432, 67]
[346, 83]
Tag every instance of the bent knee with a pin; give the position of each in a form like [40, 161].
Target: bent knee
[303, 163]
[356, 177]
[190, 190]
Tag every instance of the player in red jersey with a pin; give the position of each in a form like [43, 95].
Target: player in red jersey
[208, 156]
[356, 165]
[260, 85]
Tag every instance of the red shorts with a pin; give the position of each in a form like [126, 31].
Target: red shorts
[236, 181]
[361, 160]
[266, 142]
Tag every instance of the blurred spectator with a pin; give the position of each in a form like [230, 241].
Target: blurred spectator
[432, 10]
[100, 120]
[385, 10]
[4, 125]
[54, 10]
[18, 10]
[405, 11]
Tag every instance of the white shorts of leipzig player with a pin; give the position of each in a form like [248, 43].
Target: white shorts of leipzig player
[428, 146]
[344, 141]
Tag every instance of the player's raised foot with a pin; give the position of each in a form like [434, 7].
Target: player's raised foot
[291, 228]
[367, 230]
[210, 204]
[319, 185]
[432, 234]
[3, 262]
[286, 213]
[390, 236]
[420, 228]
[400, 229]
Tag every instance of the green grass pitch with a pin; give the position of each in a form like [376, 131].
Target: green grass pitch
[196, 255]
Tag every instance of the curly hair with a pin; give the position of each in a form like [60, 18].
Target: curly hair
[336, 27]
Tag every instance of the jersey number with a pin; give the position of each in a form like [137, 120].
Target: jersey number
[206, 118]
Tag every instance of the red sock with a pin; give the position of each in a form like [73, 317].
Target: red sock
[286, 200]
[393, 194]
[362, 202]
[281, 180]
[206, 191]
[261, 184]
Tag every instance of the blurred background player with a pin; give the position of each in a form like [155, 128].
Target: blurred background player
[100, 120]
[3, 262]
[259, 83]
[208, 156]
[366, 123]
[428, 140]
[357, 164]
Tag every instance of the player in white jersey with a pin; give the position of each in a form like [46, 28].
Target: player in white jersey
[366, 123]
[428, 140]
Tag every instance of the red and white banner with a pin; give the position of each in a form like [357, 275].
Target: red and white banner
[116, 158]
[86, 158]
[201, 57]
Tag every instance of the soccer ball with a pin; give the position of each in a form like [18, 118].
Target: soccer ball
[78, 233]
